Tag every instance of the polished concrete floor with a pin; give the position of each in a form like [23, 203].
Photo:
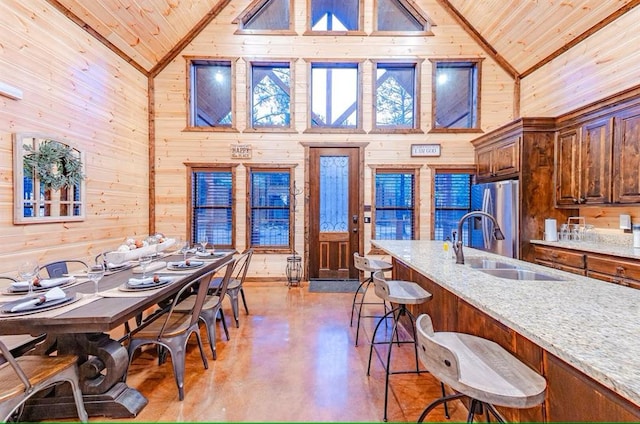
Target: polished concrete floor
[292, 359]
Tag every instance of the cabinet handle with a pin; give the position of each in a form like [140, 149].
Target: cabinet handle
[583, 200]
[575, 201]
[620, 270]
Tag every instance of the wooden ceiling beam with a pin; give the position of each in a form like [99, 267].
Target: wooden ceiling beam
[597, 27]
[466, 25]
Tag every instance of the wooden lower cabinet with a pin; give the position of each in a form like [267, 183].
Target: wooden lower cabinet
[565, 260]
[571, 395]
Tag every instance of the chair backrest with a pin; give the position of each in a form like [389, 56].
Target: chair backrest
[201, 294]
[6, 352]
[438, 359]
[360, 262]
[60, 268]
[380, 285]
[241, 266]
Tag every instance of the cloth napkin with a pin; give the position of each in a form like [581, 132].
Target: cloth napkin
[204, 254]
[50, 282]
[182, 264]
[139, 281]
[53, 294]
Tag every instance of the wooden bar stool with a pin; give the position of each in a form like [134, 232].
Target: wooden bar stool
[401, 293]
[370, 266]
[479, 369]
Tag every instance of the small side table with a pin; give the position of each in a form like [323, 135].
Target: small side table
[294, 270]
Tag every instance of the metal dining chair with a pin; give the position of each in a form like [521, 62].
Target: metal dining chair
[59, 269]
[213, 306]
[23, 377]
[235, 285]
[172, 328]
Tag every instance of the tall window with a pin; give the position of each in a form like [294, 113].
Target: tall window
[335, 95]
[211, 94]
[212, 205]
[269, 208]
[456, 95]
[332, 16]
[270, 95]
[395, 96]
[452, 199]
[396, 207]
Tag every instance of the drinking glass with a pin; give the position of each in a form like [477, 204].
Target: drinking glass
[27, 271]
[95, 274]
[202, 241]
[145, 260]
[184, 247]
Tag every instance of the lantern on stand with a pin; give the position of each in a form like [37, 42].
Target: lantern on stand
[294, 262]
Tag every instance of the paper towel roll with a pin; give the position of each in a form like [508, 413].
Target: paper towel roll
[550, 230]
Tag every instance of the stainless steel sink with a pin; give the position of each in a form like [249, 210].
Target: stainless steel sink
[519, 274]
[484, 263]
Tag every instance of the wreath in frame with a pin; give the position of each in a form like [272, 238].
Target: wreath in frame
[54, 164]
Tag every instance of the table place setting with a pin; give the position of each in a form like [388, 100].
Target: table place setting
[139, 287]
[38, 285]
[187, 264]
[53, 302]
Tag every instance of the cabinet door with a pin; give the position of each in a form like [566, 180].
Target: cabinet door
[596, 155]
[484, 168]
[567, 169]
[626, 158]
[505, 158]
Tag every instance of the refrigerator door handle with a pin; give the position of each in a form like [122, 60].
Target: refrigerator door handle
[487, 208]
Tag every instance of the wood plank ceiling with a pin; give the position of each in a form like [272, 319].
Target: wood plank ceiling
[521, 34]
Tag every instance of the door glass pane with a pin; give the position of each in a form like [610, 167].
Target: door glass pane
[334, 193]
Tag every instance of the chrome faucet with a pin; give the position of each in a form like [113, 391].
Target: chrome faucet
[457, 246]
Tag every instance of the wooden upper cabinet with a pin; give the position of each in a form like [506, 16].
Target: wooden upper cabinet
[596, 152]
[567, 168]
[498, 160]
[626, 157]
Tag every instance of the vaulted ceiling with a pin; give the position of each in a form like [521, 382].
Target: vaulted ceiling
[521, 34]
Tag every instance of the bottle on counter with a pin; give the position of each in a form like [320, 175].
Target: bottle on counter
[446, 248]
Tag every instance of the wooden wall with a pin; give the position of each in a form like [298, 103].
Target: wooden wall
[604, 64]
[174, 146]
[79, 91]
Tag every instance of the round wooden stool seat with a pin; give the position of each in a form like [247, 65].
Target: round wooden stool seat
[477, 368]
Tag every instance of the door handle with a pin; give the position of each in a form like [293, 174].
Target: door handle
[354, 219]
[355, 229]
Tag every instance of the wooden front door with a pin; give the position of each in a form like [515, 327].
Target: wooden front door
[334, 211]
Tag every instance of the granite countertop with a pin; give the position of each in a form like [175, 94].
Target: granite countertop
[623, 251]
[590, 324]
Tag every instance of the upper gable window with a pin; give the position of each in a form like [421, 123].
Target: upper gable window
[264, 16]
[396, 94]
[400, 16]
[456, 95]
[335, 96]
[335, 16]
[270, 95]
[211, 94]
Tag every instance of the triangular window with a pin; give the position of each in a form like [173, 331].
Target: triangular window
[263, 16]
[401, 16]
[335, 15]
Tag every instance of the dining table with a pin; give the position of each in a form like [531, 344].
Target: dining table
[83, 327]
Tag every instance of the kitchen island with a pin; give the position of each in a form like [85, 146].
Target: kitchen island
[582, 334]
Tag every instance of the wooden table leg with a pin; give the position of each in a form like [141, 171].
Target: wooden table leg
[103, 365]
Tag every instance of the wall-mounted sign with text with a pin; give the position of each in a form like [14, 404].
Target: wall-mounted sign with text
[241, 151]
[425, 150]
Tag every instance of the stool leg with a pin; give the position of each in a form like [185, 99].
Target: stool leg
[437, 402]
[355, 297]
[373, 337]
[366, 287]
[472, 410]
[388, 365]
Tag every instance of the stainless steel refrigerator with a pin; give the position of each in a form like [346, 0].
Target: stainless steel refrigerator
[499, 199]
